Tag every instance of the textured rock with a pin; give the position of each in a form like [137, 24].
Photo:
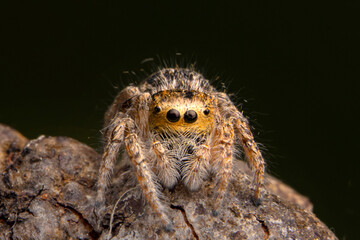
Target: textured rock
[35, 189]
[47, 191]
[10, 141]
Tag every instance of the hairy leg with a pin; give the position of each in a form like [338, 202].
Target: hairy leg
[115, 136]
[222, 156]
[252, 151]
[121, 102]
[144, 175]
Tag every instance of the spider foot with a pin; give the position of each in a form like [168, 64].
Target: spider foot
[256, 201]
[99, 211]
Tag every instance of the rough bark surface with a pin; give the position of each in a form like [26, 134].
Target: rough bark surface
[47, 191]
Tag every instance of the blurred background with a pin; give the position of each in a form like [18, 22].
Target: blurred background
[290, 64]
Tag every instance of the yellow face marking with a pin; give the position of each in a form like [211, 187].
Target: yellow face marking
[184, 102]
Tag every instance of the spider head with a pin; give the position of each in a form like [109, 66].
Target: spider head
[182, 112]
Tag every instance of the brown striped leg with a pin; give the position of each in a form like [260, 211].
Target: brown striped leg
[121, 101]
[223, 157]
[252, 151]
[145, 178]
[115, 135]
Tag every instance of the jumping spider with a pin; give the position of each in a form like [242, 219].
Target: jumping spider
[176, 127]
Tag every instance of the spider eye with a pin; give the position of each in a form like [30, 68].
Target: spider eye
[156, 109]
[190, 116]
[173, 115]
[206, 111]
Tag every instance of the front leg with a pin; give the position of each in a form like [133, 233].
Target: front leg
[144, 176]
[252, 151]
[121, 103]
[222, 157]
[115, 136]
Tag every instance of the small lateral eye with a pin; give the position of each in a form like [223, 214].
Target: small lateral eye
[156, 109]
[173, 115]
[206, 111]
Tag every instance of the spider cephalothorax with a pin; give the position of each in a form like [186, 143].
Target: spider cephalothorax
[176, 127]
[182, 121]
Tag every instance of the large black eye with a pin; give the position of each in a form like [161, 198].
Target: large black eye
[206, 111]
[173, 115]
[190, 116]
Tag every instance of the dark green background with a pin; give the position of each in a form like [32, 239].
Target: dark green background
[294, 62]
